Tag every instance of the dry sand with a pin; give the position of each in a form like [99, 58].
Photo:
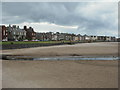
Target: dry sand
[103, 48]
[62, 74]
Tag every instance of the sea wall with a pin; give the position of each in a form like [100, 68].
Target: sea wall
[18, 46]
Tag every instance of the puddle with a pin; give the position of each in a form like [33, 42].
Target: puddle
[60, 58]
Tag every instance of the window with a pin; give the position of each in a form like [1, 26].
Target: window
[4, 32]
[13, 32]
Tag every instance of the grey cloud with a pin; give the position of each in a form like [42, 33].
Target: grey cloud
[59, 13]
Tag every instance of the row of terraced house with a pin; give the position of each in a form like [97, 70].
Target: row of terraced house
[15, 33]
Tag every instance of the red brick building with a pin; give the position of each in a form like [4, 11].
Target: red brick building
[3, 33]
[30, 33]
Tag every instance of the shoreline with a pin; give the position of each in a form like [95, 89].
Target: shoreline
[57, 58]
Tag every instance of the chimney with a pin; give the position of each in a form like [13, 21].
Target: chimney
[25, 27]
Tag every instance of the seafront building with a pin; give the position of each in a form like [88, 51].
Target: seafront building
[106, 38]
[14, 33]
[30, 33]
[3, 33]
[44, 36]
[93, 38]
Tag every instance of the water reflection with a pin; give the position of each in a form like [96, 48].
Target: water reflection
[60, 58]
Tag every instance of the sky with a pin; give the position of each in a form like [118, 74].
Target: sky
[92, 18]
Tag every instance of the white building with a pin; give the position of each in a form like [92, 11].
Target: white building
[15, 33]
[93, 38]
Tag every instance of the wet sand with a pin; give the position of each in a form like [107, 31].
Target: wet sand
[62, 74]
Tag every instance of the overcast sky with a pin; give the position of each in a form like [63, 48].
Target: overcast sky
[92, 18]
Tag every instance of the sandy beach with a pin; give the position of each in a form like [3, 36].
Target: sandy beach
[83, 49]
[62, 74]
